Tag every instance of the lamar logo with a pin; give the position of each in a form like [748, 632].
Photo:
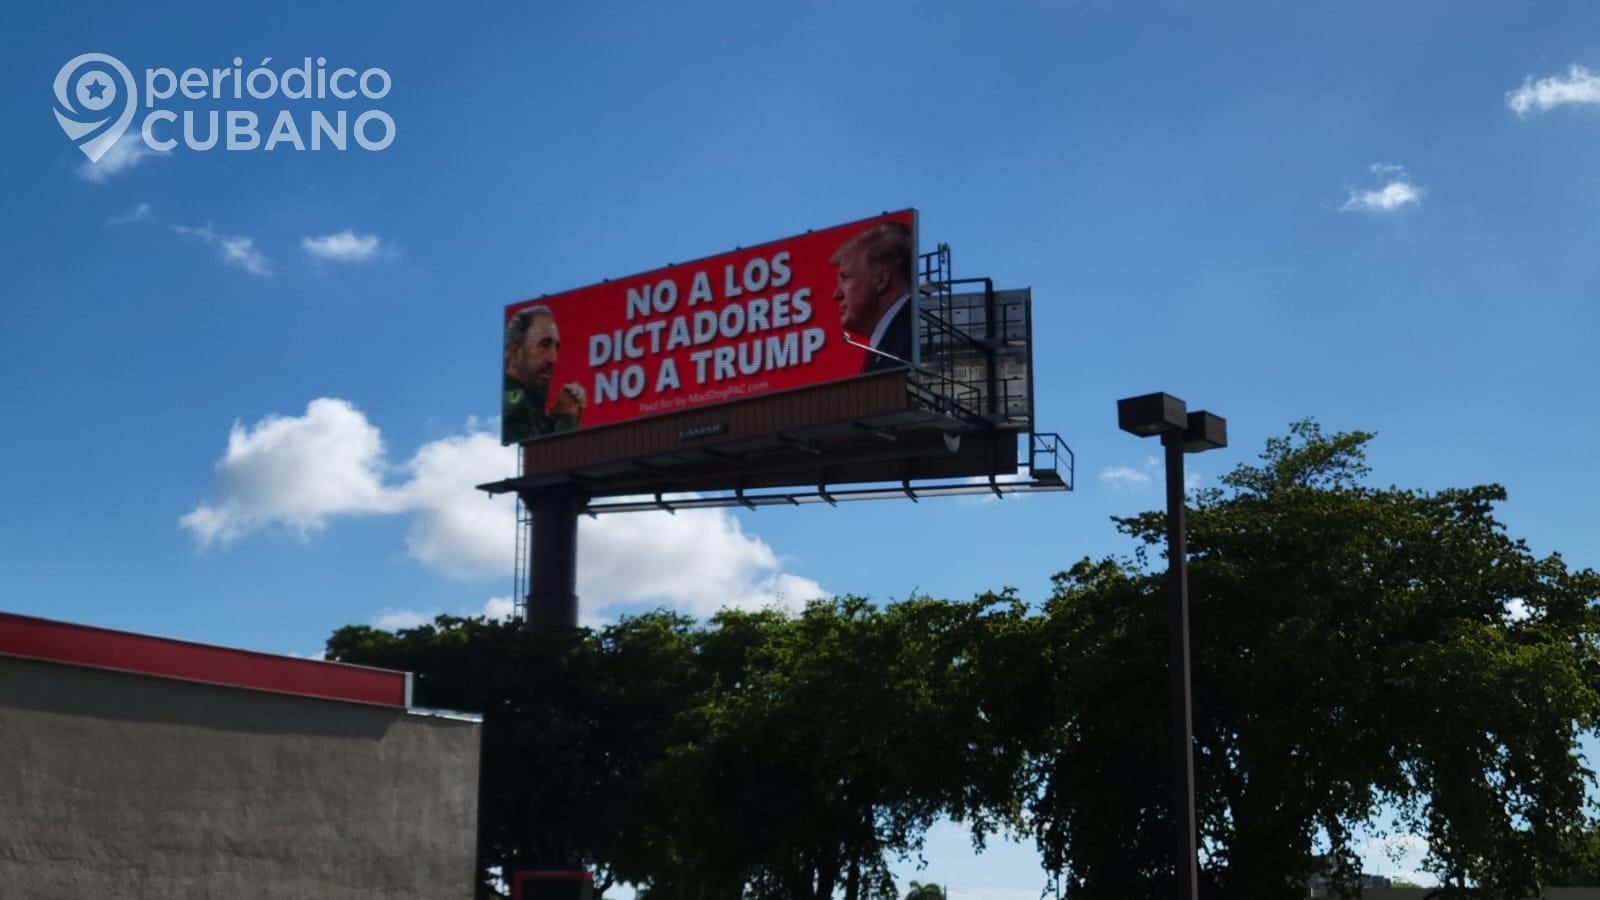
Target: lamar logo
[700, 431]
[95, 100]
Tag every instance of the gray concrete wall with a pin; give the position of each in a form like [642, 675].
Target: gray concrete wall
[128, 786]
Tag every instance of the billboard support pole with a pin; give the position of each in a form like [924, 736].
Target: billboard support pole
[552, 600]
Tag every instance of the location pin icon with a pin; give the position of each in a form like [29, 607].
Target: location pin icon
[90, 89]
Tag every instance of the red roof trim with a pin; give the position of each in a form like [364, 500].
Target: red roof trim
[83, 645]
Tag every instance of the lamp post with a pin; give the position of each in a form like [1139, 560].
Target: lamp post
[1181, 432]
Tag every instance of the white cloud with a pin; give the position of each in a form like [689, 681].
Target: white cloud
[499, 607]
[1396, 856]
[456, 529]
[1124, 477]
[396, 619]
[1128, 477]
[124, 155]
[297, 472]
[140, 213]
[994, 893]
[300, 472]
[987, 497]
[1390, 197]
[344, 246]
[1580, 87]
[236, 250]
[1517, 609]
[696, 561]
[1396, 192]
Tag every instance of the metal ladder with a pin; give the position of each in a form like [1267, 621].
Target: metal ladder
[519, 577]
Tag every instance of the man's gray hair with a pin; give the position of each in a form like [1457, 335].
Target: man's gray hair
[517, 328]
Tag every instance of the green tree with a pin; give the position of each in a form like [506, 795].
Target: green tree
[833, 739]
[1355, 650]
[574, 726]
[920, 891]
[1582, 864]
[763, 755]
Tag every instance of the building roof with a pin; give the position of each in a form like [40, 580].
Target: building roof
[103, 648]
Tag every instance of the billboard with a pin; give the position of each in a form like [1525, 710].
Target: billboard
[817, 307]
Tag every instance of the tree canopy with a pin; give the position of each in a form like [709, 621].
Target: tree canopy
[1356, 650]
[1363, 658]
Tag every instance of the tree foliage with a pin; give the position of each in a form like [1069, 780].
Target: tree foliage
[575, 725]
[1363, 658]
[762, 755]
[1356, 651]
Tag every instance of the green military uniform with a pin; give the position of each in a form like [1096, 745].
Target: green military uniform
[522, 415]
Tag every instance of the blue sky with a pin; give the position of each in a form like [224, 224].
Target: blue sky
[1354, 212]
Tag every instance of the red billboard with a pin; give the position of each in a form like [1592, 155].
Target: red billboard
[817, 307]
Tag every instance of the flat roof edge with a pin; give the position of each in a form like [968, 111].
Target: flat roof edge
[29, 637]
